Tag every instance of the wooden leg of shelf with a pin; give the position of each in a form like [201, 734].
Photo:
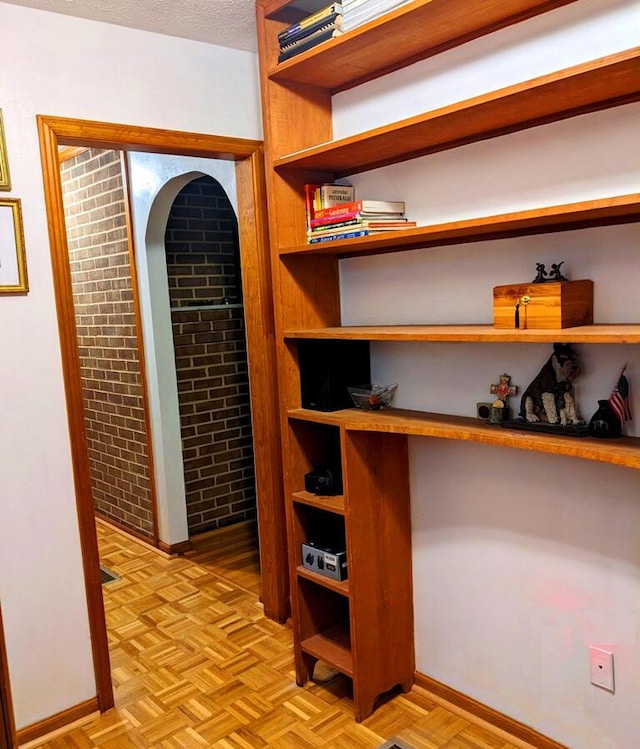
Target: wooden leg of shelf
[363, 708]
[305, 664]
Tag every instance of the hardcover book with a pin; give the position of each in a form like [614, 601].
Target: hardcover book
[363, 206]
[332, 195]
[309, 203]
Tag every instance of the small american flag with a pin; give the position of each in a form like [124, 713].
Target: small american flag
[619, 398]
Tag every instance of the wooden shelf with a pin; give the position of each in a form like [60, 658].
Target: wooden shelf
[333, 504]
[624, 451]
[376, 605]
[603, 83]
[425, 28]
[474, 334]
[619, 209]
[332, 647]
[337, 586]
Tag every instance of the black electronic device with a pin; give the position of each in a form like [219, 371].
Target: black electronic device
[328, 368]
[326, 482]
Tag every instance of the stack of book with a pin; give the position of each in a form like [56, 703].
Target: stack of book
[357, 12]
[333, 213]
[312, 30]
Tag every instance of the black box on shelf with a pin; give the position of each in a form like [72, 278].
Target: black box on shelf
[328, 368]
[327, 562]
[326, 482]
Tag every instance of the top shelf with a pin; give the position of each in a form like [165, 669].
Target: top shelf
[425, 28]
[598, 84]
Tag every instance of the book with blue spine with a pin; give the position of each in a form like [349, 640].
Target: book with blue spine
[341, 235]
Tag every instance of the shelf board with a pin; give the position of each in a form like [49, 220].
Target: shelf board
[337, 586]
[598, 84]
[474, 334]
[333, 504]
[332, 647]
[624, 451]
[619, 209]
[426, 28]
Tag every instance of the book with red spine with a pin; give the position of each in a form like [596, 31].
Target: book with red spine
[362, 206]
[309, 203]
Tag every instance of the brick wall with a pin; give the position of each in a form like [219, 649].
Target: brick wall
[110, 364]
[203, 266]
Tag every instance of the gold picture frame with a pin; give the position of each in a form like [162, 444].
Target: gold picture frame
[13, 266]
[5, 179]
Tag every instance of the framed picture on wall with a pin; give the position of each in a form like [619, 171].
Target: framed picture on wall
[13, 267]
[5, 180]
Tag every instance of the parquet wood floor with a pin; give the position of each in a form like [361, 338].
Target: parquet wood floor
[196, 664]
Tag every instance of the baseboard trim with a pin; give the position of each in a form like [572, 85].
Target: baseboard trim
[131, 532]
[57, 721]
[175, 549]
[471, 709]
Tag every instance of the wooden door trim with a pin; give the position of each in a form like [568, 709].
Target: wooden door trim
[252, 219]
[7, 725]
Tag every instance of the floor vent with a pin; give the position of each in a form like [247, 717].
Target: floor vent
[106, 576]
[395, 744]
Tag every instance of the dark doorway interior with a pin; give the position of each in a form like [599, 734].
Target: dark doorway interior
[207, 317]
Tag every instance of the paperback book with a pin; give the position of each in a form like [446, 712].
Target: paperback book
[371, 223]
[324, 15]
[347, 233]
[334, 20]
[324, 221]
[323, 34]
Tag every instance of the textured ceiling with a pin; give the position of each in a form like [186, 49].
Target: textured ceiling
[229, 23]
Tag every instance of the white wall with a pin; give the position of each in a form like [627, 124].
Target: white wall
[154, 182]
[57, 65]
[520, 559]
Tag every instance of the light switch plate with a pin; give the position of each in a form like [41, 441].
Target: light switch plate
[601, 667]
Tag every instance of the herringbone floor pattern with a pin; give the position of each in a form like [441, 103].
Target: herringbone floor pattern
[196, 664]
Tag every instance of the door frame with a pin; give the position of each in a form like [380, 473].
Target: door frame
[7, 725]
[260, 331]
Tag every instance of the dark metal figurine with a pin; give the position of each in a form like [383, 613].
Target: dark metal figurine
[542, 273]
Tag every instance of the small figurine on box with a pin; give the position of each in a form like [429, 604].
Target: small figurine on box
[555, 274]
[541, 273]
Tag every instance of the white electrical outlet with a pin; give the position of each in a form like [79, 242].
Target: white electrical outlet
[601, 665]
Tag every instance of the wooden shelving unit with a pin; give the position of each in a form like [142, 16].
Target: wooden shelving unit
[599, 84]
[327, 504]
[339, 586]
[624, 451]
[620, 209]
[364, 625]
[473, 334]
[426, 28]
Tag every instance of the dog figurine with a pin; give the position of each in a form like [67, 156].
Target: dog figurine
[550, 397]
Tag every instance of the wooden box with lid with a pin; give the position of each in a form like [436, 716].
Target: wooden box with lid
[548, 305]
